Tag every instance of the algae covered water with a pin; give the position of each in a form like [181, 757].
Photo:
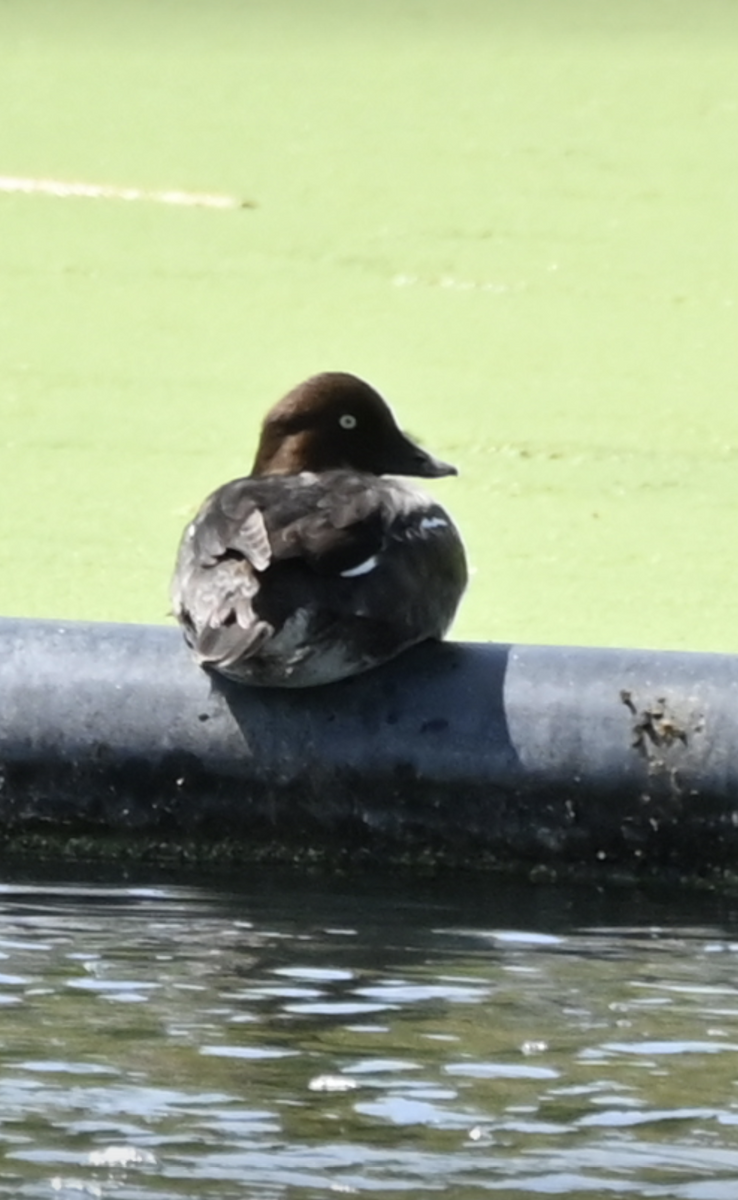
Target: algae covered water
[286, 1038]
[518, 220]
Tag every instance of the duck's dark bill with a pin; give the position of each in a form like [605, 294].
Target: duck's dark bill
[435, 468]
[409, 459]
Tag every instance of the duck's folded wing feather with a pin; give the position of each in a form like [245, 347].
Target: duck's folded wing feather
[342, 530]
[248, 526]
[231, 523]
[216, 579]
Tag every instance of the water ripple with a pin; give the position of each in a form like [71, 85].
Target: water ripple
[285, 1042]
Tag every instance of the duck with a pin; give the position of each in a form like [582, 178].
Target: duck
[324, 562]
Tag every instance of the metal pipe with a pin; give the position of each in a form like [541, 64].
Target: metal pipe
[534, 754]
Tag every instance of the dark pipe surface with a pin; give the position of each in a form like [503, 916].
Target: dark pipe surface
[537, 754]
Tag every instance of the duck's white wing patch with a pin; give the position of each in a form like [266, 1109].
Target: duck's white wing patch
[363, 568]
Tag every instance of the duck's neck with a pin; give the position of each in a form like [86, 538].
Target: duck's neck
[281, 455]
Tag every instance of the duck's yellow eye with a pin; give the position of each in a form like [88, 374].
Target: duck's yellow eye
[347, 421]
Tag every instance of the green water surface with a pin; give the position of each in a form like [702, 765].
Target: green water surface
[518, 219]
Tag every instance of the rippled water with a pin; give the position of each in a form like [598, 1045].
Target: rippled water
[287, 1038]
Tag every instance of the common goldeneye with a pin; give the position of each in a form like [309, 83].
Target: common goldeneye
[316, 567]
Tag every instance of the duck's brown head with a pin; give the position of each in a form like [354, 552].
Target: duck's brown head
[333, 421]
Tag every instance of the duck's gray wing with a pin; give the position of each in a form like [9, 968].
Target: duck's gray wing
[216, 577]
[343, 528]
[232, 557]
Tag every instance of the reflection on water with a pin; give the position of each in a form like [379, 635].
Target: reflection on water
[287, 1038]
